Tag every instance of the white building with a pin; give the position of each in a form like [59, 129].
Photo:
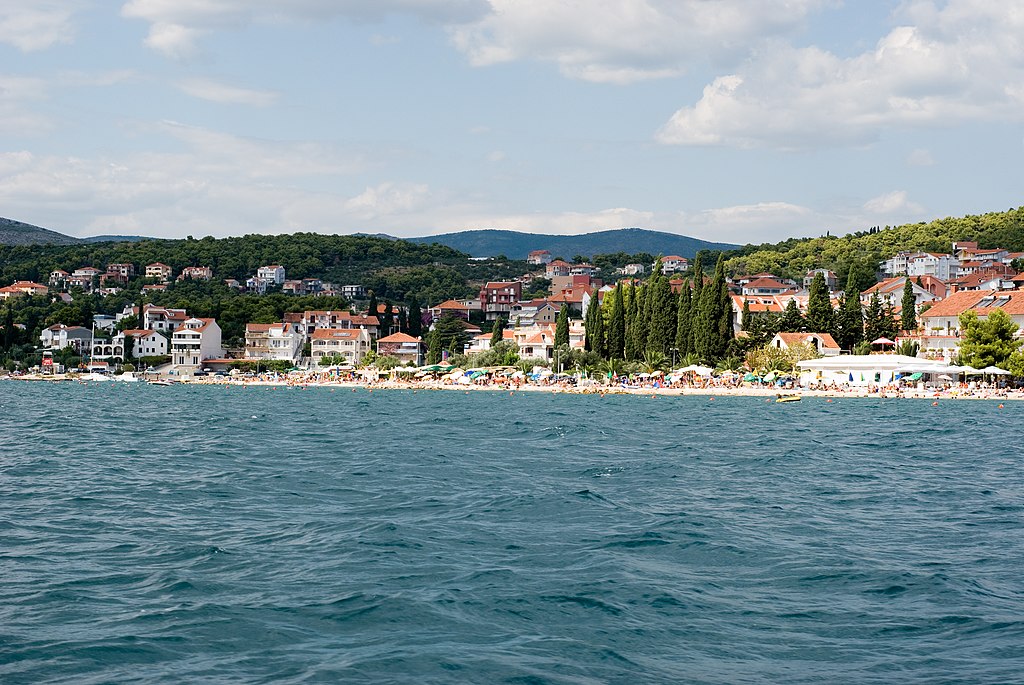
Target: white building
[147, 343]
[160, 272]
[196, 340]
[271, 274]
[60, 336]
[272, 341]
[351, 344]
[674, 263]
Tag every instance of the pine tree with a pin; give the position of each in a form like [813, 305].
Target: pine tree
[850, 326]
[792, 319]
[874, 319]
[497, 333]
[819, 306]
[617, 325]
[908, 314]
[415, 326]
[683, 321]
[562, 326]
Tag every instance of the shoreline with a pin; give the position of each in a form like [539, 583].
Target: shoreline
[566, 389]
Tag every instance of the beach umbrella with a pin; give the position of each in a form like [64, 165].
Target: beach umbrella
[995, 371]
[883, 341]
[750, 378]
[945, 377]
[770, 376]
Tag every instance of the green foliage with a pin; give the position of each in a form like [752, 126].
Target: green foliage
[819, 306]
[792, 320]
[684, 316]
[562, 327]
[908, 314]
[860, 253]
[989, 341]
[498, 331]
[449, 334]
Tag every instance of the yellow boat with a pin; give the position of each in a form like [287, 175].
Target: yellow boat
[787, 398]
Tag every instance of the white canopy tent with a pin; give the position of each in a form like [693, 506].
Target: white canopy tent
[866, 369]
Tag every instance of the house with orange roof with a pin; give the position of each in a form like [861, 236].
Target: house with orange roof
[197, 339]
[403, 347]
[21, 288]
[944, 317]
[481, 342]
[350, 344]
[824, 344]
[451, 308]
[765, 286]
[890, 292]
[557, 267]
[273, 341]
[145, 343]
[197, 273]
[538, 257]
[159, 271]
[674, 264]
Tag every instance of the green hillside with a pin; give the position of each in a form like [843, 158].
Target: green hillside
[19, 233]
[516, 245]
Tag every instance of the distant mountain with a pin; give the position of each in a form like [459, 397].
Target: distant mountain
[19, 233]
[516, 245]
[117, 239]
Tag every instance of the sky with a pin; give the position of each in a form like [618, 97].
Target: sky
[727, 120]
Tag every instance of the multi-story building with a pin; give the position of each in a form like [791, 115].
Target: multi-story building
[272, 341]
[59, 336]
[539, 257]
[196, 273]
[350, 344]
[19, 288]
[160, 272]
[497, 298]
[59, 279]
[405, 348]
[674, 263]
[829, 276]
[196, 340]
[146, 343]
[273, 274]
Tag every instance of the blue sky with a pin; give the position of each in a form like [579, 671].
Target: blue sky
[722, 119]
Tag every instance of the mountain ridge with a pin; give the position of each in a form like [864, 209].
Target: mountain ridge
[517, 245]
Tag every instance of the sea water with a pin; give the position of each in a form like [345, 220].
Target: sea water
[286, 535]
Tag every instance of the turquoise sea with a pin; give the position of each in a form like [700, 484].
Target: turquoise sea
[266, 535]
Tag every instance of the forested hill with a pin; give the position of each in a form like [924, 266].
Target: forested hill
[866, 249]
[516, 245]
[19, 233]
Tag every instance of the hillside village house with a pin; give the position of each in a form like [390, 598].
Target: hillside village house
[674, 264]
[405, 348]
[272, 341]
[59, 279]
[890, 292]
[160, 272]
[829, 276]
[315, 320]
[59, 336]
[196, 273]
[765, 286]
[196, 340]
[497, 298]
[20, 288]
[539, 257]
[944, 317]
[351, 344]
[557, 267]
[452, 308]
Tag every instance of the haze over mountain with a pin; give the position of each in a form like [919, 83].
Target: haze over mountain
[517, 245]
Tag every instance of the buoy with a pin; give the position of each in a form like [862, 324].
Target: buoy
[935, 404]
[711, 400]
[828, 400]
[1000, 406]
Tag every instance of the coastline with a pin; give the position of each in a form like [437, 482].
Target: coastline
[710, 391]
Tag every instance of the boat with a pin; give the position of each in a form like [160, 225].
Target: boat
[787, 398]
[160, 383]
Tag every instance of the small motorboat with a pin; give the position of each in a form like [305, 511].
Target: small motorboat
[787, 398]
[161, 383]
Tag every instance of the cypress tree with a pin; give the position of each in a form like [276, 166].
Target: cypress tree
[387, 321]
[819, 307]
[908, 315]
[433, 348]
[415, 325]
[630, 350]
[497, 333]
[874, 319]
[726, 332]
[746, 315]
[664, 313]
[600, 334]
[792, 319]
[851, 317]
[695, 300]
[709, 340]
[371, 309]
[562, 326]
[642, 323]
[683, 321]
[617, 325]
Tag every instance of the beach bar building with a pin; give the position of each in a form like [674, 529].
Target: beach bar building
[861, 370]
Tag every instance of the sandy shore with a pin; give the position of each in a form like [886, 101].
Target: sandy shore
[955, 393]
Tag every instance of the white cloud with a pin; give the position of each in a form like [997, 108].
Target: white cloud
[177, 26]
[622, 41]
[960, 62]
[895, 203]
[222, 93]
[387, 199]
[920, 157]
[38, 24]
[15, 94]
